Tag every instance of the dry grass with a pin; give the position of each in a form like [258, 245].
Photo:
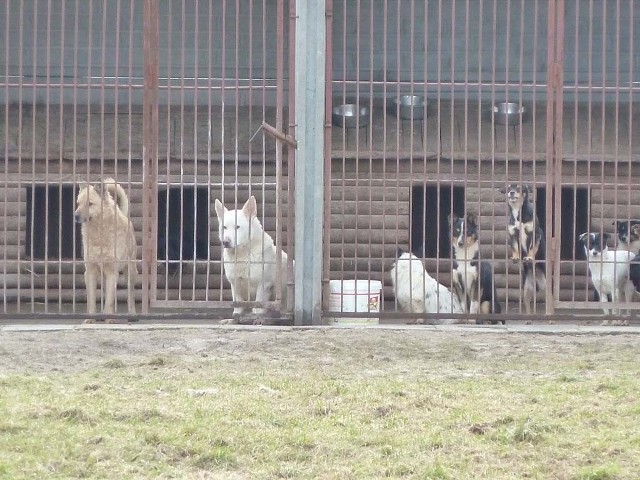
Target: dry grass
[335, 405]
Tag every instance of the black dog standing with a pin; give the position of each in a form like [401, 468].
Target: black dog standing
[526, 240]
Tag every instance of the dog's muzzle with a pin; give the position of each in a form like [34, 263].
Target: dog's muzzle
[226, 244]
[79, 218]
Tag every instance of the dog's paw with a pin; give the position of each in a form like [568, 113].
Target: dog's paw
[116, 320]
[89, 320]
[230, 321]
[474, 308]
[620, 323]
[515, 259]
[417, 321]
[527, 259]
[259, 321]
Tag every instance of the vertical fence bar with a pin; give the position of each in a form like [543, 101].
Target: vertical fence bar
[327, 132]
[291, 152]
[150, 147]
[555, 66]
[5, 136]
[279, 123]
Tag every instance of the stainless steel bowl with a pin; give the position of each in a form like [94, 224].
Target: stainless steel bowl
[350, 115]
[411, 107]
[508, 113]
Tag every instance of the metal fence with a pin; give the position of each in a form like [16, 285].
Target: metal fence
[433, 108]
[437, 107]
[164, 97]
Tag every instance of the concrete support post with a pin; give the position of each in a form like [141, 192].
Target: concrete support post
[310, 55]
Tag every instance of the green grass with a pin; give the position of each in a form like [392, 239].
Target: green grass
[353, 405]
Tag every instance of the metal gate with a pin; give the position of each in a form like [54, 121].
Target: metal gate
[596, 126]
[439, 105]
[169, 98]
[215, 121]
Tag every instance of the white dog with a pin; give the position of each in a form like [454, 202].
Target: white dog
[609, 269]
[418, 292]
[108, 243]
[249, 257]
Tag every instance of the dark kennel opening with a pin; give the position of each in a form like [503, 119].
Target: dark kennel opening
[183, 224]
[574, 212]
[50, 223]
[574, 220]
[430, 209]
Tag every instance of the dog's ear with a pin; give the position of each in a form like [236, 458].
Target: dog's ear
[250, 209]
[583, 236]
[472, 219]
[399, 252]
[605, 238]
[453, 217]
[220, 209]
[102, 190]
[503, 190]
[526, 188]
[635, 228]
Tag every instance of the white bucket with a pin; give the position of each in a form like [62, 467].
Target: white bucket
[355, 296]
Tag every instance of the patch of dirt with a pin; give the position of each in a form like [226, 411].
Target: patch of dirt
[76, 350]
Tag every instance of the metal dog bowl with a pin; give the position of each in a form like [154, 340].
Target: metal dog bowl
[350, 116]
[410, 107]
[508, 113]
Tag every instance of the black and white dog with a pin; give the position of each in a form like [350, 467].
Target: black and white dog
[471, 278]
[634, 274]
[629, 239]
[526, 240]
[609, 269]
[628, 235]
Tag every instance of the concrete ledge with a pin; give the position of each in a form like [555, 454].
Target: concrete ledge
[567, 329]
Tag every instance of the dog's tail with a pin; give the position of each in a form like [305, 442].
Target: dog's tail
[119, 195]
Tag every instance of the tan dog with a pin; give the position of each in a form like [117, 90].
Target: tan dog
[108, 243]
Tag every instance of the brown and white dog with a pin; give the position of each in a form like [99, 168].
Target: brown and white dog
[526, 241]
[108, 244]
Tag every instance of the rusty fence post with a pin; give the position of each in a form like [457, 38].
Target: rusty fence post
[149, 151]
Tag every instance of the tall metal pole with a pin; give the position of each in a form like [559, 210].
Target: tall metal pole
[310, 56]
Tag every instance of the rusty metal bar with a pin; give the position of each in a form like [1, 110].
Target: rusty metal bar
[150, 148]
[553, 184]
